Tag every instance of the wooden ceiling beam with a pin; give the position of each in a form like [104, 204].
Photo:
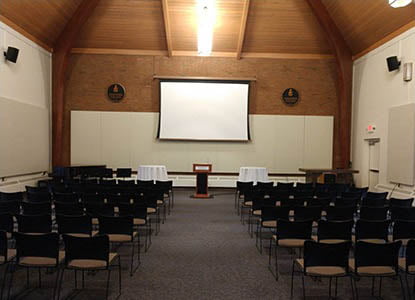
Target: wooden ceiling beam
[166, 17]
[344, 64]
[60, 61]
[242, 29]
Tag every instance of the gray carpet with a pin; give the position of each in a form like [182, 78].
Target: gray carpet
[202, 252]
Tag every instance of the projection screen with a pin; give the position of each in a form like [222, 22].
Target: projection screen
[204, 110]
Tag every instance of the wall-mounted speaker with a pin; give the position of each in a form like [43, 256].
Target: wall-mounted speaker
[393, 63]
[11, 54]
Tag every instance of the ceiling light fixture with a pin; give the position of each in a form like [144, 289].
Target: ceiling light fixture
[206, 21]
[400, 3]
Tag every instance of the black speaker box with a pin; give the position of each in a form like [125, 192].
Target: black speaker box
[393, 63]
[11, 54]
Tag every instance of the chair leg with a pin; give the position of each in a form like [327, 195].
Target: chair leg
[407, 286]
[76, 279]
[83, 279]
[373, 286]
[132, 259]
[108, 283]
[59, 287]
[335, 288]
[3, 283]
[330, 288]
[292, 279]
[55, 290]
[380, 287]
[402, 287]
[11, 281]
[276, 262]
[352, 286]
[39, 277]
[303, 279]
[119, 274]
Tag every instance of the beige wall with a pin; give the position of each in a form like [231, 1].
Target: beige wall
[90, 76]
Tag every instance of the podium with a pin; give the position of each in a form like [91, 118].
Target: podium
[202, 171]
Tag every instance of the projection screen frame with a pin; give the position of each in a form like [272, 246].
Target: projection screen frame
[213, 80]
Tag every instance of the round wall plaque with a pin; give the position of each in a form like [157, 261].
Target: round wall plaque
[116, 92]
[290, 96]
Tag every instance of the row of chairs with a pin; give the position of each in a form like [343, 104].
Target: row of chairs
[43, 251]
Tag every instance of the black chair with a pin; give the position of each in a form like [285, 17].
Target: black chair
[38, 251]
[130, 182]
[303, 194]
[285, 186]
[373, 195]
[36, 208]
[34, 224]
[16, 196]
[7, 224]
[300, 186]
[372, 231]
[9, 207]
[167, 189]
[290, 235]
[395, 202]
[39, 196]
[66, 197]
[90, 254]
[402, 213]
[323, 260]
[403, 231]
[293, 202]
[6, 257]
[73, 209]
[347, 201]
[352, 194]
[339, 213]
[145, 183]
[320, 201]
[80, 226]
[407, 265]
[108, 182]
[36, 189]
[373, 213]
[376, 260]
[308, 213]
[96, 210]
[92, 198]
[139, 213]
[374, 202]
[107, 173]
[120, 230]
[123, 172]
[331, 232]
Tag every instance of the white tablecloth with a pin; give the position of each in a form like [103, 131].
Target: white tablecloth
[148, 172]
[254, 174]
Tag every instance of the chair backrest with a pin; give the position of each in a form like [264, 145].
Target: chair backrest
[243, 186]
[373, 213]
[17, 196]
[90, 181]
[395, 202]
[372, 254]
[9, 207]
[300, 186]
[130, 182]
[92, 198]
[362, 190]
[335, 230]
[323, 254]
[66, 197]
[372, 229]
[294, 230]
[6, 222]
[88, 248]
[303, 193]
[293, 202]
[145, 183]
[36, 189]
[410, 253]
[340, 213]
[64, 208]
[74, 224]
[34, 224]
[39, 245]
[137, 210]
[124, 172]
[307, 213]
[403, 229]
[39, 196]
[347, 201]
[323, 201]
[374, 195]
[36, 208]
[3, 246]
[107, 173]
[108, 181]
[351, 194]
[374, 202]
[403, 213]
[96, 210]
[285, 186]
[116, 225]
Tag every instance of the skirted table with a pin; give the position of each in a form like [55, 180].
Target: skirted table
[152, 172]
[254, 174]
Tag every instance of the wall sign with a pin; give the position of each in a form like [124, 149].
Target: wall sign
[290, 96]
[116, 92]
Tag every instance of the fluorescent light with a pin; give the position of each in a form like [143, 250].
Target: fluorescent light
[206, 14]
[399, 3]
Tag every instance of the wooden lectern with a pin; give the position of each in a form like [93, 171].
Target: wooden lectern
[202, 171]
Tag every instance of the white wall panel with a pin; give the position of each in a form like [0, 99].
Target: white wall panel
[318, 141]
[129, 139]
[85, 138]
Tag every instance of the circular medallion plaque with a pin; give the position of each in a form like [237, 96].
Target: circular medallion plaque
[116, 92]
[290, 96]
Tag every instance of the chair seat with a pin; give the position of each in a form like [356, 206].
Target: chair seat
[95, 221]
[36, 261]
[269, 224]
[93, 233]
[160, 202]
[322, 270]
[374, 241]
[91, 263]
[404, 241]
[372, 270]
[151, 210]
[11, 254]
[332, 241]
[257, 212]
[138, 221]
[248, 203]
[402, 265]
[121, 238]
[291, 243]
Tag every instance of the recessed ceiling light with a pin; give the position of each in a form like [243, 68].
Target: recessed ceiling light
[399, 3]
[206, 21]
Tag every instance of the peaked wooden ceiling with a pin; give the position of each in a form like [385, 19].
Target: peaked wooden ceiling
[266, 28]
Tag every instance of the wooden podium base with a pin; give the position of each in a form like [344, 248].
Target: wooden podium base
[201, 196]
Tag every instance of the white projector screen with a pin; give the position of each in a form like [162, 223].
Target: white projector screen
[204, 110]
